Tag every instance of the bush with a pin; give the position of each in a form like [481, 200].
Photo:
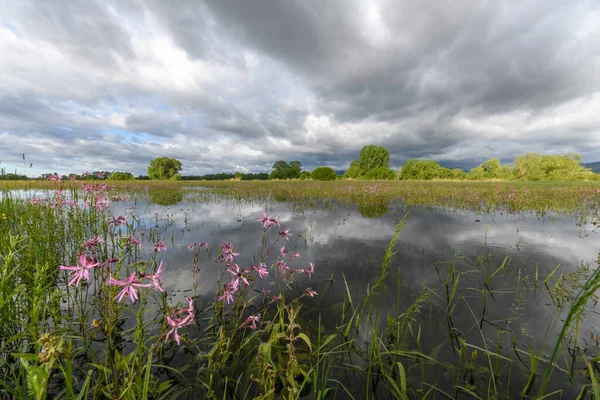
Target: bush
[305, 175]
[352, 172]
[381, 173]
[121, 176]
[323, 174]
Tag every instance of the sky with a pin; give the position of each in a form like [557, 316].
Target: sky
[234, 85]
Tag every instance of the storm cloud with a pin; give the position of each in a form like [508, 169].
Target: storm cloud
[227, 85]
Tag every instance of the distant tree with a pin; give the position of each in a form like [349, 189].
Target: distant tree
[238, 176]
[13, 177]
[421, 169]
[261, 176]
[380, 173]
[305, 175]
[164, 168]
[458, 173]
[534, 166]
[370, 157]
[283, 170]
[373, 157]
[354, 171]
[295, 169]
[121, 176]
[490, 169]
[323, 174]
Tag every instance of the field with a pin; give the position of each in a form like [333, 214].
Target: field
[299, 289]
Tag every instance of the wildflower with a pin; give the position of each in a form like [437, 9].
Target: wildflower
[93, 242]
[129, 287]
[96, 323]
[251, 321]
[133, 241]
[275, 298]
[3, 216]
[261, 270]
[81, 270]
[120, 220]
[160, 246]
[228, 291]
[227, 252]
[310, 269]
[268, 221]
[238, 274]
[191, 246]
[309, 292]
[174, 325]
[156, 277]
[285, 234]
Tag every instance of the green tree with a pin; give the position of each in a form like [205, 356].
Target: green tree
[380, 173]
[323, 174]
[421, 169]
[371, 157]
[534, 166]
[305, 175]
[120, 176]
[164, 168]
[283, 170]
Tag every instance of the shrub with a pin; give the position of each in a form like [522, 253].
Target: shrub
[323, 174]
[381, 173]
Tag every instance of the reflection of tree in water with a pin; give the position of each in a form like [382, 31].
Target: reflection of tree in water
[373, 209]
[165, 196]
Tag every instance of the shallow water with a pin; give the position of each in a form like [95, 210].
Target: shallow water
[344, 244]
[498, 264]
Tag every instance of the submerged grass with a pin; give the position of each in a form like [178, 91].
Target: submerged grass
[445, 341]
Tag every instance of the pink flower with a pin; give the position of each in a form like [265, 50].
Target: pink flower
[310, 269]
[133, 241]
[176, 321]
[120, 220]
[268, 221]
[160, 246]
[251, 321]
[191, 246]
[93, 242]
[238, 274]
[261, 270]
[156, 277]
[309, 292]
[174, 325]
[227, 252]
[129, 287]
[285, 234]
[82, 271]
[228, 291]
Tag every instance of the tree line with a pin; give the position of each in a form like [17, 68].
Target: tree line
[372, 163]
[530, 166]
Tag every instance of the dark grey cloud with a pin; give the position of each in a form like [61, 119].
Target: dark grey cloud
[236, 85]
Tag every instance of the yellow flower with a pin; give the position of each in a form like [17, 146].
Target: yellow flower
[3, 216]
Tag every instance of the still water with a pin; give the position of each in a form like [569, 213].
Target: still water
[498, 282]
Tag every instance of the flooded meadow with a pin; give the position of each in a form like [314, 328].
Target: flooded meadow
[188, 291]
